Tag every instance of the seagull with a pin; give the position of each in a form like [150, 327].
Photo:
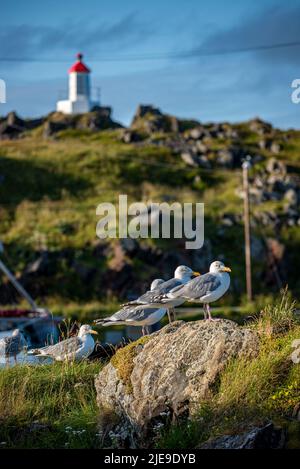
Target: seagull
[11, 346]
[74, 348]
[136, 315]
[151, 299]
[206, 289]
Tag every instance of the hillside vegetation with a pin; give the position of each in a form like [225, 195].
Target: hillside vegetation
[51, 184]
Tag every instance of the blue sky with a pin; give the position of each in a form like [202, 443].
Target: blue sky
[230, 87]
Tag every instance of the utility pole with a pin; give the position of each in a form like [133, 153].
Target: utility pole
[246, 166]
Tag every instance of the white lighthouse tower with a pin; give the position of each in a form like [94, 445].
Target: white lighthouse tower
[79, 100]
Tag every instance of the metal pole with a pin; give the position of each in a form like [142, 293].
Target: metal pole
[246, 165]
[18, 286]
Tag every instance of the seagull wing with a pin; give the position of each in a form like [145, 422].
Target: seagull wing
[128, 313]
[152, 296]
[197, 287]
[64, 347]
[140, 314]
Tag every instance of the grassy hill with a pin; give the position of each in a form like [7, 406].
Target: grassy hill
[50, 188]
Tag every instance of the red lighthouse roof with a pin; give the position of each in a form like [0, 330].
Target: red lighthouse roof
[79, 66]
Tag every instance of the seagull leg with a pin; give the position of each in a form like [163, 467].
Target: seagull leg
[15, 358]
[169, 315]
[205, 311]
[143, 330]
[210, 318]
[174, 314]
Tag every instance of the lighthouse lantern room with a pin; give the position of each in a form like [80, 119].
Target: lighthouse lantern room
[79, 100]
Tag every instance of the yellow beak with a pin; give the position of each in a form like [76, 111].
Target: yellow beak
[196, 274]
[227, 269]
[93, 332]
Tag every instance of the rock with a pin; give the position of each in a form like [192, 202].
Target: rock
[257, 195]
[276, 166]
[13, 126]
[291, 197]
[267, 437]
[203, 162]
[51, 128]
[171, 371]
[189, 158]
[225, 158]
[201, 147]
[8, 132]
[14, 120]
[98, 119]
[197, 133]
[148, 119]
[129, 136]
[275, 148]
[260, 127]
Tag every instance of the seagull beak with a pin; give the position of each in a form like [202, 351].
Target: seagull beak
[227, 269]
[93, 332]
[196, 274]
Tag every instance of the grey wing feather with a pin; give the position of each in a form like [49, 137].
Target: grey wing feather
[130, 313]
[65, 346]
[140, 313]
[152, 296]
[198, 287]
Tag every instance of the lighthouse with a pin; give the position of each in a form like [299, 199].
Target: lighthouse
[79, 100]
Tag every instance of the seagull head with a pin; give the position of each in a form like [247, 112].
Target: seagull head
[156, 283]
[218, 267]
[185, 273]
[86, 330]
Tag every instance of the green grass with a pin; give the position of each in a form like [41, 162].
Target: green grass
[39, 403]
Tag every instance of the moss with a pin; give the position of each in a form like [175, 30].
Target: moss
[123, 361]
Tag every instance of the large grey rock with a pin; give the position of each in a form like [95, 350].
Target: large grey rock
[171, 371]
[267, 437]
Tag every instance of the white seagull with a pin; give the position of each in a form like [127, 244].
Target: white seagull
[206, 289]
[151, 299]
[131, 315]
[74, 348]
[12, 345]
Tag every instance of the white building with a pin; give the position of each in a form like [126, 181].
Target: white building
[79, 100]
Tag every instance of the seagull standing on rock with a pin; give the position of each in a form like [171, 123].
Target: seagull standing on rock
[151, 299]
[74, 348]
[131, 315]
[11, 346]
[206, 289]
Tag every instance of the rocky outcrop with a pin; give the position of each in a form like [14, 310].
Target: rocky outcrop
[98, 119]
[267, 437]
[12, 126]
[170, 372]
